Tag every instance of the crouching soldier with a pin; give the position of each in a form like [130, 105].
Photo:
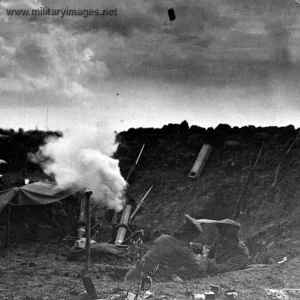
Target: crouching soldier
[171, 255]
[228, 252]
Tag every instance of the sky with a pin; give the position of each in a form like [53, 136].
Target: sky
[220, 61]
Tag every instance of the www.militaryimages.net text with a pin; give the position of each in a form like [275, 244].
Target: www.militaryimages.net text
[45, 11]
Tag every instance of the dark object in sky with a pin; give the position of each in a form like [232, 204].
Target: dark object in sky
[171, 14]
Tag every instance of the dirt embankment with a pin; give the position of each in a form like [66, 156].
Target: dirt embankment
[39, 270]
[271, 224]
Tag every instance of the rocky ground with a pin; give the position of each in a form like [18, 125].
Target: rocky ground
[270, 227]
[40, 271]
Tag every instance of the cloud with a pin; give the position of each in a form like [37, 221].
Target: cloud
[130, 16]
[122, 25]
[15, 85]
[44, 60]
[210, 43]
[76, 89]
[185, 38]
[33, 57]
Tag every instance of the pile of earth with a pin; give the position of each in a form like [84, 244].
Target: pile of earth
[270, 225]
[272, 219]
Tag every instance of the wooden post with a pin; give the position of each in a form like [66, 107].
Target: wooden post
[88, 194]
[7, 227]
[87, 281]
[241, 202]
[282, 160]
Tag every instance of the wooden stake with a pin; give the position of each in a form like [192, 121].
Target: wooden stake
[7, 227]
[140, 204]
[88, 231]
[87, 281]
[240, 205]
[284, 156]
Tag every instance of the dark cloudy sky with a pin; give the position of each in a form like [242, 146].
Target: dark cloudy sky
[220, 61]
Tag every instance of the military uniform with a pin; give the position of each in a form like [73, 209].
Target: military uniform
[228, 257]
[168, 256]
[228, 253]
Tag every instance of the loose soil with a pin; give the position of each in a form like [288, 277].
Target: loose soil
[40, 271]
[270, 226]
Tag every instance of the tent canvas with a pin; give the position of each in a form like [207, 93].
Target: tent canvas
[38, 193]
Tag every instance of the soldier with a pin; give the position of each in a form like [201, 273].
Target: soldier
[228, 252]
[171, 255]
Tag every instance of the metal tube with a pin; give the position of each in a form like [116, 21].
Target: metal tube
[124, 221]
[82, 217]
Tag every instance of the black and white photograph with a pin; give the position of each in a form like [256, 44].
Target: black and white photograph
[149, 150]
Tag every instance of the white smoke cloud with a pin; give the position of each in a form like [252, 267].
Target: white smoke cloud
[81, 160]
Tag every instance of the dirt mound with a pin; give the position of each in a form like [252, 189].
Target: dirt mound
[270, 226]
[169, 154]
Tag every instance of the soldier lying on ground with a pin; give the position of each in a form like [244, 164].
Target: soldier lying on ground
[171, 255]
[228, 252]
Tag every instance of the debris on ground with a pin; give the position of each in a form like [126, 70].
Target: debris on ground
[39, 270]
[277, 294]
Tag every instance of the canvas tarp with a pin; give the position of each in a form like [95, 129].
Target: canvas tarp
[38, 193]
